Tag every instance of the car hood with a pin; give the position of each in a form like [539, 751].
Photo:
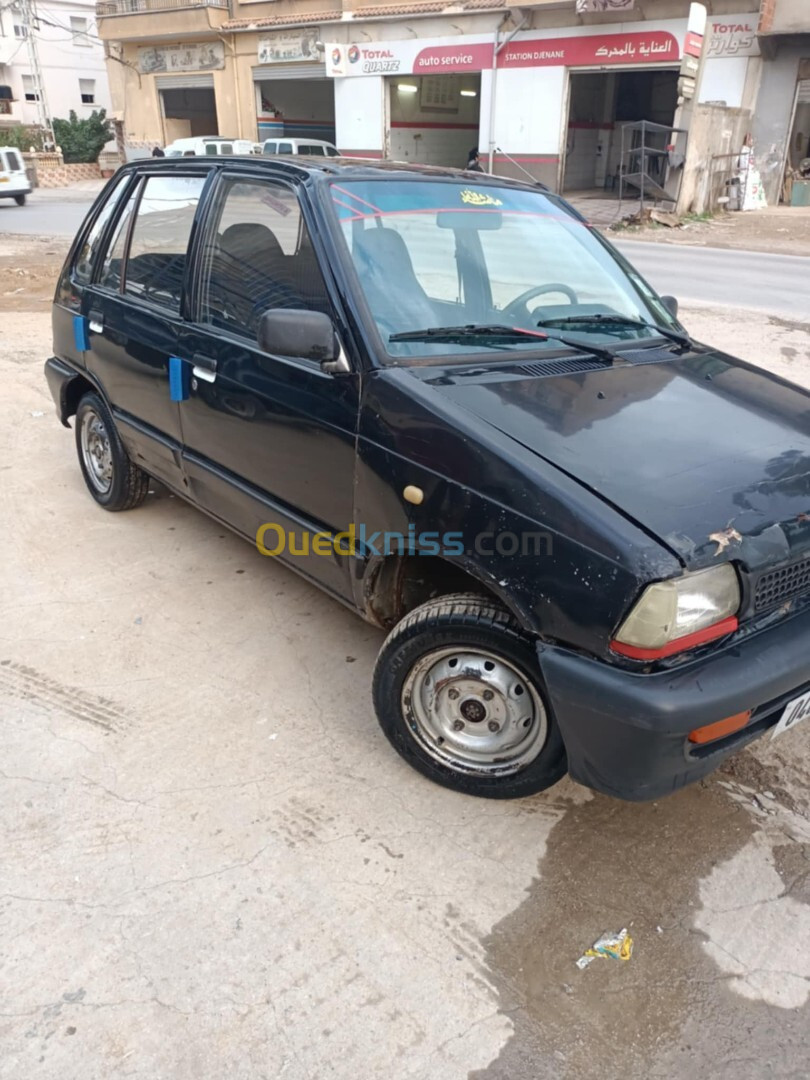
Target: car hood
[707, 454]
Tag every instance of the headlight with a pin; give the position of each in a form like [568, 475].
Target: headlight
[681, 613]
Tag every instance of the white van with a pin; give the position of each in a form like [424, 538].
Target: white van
[13, 177]
[210, 146]
[315, 147]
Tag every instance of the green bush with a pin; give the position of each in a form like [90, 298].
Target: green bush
[82, 140]
[23, 137]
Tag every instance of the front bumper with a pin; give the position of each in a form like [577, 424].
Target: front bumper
[626, 733]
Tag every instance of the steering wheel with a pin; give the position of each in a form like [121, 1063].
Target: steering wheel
[518, 308]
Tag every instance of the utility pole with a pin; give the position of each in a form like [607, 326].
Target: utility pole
[30, 23]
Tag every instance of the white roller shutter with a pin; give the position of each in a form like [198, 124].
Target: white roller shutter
[185, 82]
[289, 71]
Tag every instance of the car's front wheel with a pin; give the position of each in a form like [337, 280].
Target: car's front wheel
[458, 693]
[112, 479]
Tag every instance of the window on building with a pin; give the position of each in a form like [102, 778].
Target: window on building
[258, 256]
[157, 251]
[29, 89]
[78, 28]
[20, 31]
[87, 89]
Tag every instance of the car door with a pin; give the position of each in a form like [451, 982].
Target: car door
[268, 439]
[134, 313]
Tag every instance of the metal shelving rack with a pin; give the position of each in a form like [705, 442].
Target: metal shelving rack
[638, 156]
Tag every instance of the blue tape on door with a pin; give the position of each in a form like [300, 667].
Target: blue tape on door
[179, 372]
[81, 336]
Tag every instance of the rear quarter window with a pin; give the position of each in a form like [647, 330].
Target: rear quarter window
[83, 264]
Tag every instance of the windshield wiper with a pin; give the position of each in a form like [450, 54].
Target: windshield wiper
[620, 320]
[497, 333]
[453, 334]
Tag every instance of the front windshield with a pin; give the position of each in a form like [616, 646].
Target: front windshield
[432, 253]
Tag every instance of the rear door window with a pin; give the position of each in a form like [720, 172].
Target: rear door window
[285, 148]
[160, 235]
[271, 148]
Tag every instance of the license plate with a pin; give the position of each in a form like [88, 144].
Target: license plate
[795, 712]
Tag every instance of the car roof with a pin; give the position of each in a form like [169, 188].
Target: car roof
[298, 138]
[318, 168]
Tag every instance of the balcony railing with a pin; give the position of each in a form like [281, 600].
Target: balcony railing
[135, 7]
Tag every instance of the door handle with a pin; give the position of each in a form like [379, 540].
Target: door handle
[204, 367]
[96, 322]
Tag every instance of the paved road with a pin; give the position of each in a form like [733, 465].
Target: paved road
[45, 214]
[778, 284]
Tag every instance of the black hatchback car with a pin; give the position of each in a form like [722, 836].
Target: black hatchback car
[450, 403]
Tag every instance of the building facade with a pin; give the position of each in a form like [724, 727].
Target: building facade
[781, 126]
[71, 58]
[544, 88]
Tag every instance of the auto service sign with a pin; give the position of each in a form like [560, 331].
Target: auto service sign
[654, 44]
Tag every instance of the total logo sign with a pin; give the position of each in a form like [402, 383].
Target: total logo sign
[363, 61]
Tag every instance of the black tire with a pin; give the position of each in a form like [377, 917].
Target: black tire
[119, 484]
[19, 200]
[466, 623]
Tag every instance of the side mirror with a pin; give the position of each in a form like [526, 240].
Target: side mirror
[671, 304]
[309, 335]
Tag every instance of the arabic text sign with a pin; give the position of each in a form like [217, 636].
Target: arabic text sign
[206, 56]
[284, 47]
[586, 6]
[733, 35]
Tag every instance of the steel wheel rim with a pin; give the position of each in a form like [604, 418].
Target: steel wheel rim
[96, 451]
[474, 712]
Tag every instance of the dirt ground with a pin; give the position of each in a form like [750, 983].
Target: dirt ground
[780, 230]
[29, 267]
[214, 865]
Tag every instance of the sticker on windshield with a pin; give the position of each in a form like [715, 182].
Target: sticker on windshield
[479, 198]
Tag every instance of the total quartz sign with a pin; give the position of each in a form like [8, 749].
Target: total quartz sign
[639, 44]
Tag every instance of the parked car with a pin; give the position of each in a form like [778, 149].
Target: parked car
[455, 407]
[300, 147]
[209, 146]
[13, 177]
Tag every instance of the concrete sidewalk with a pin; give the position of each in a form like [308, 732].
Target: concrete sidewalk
[81, 191]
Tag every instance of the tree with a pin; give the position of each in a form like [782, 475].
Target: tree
[82, 140]
[24, 137]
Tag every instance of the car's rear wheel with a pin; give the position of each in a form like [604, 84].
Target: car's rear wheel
[19, 200]
[458, 693]
[112, 479]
